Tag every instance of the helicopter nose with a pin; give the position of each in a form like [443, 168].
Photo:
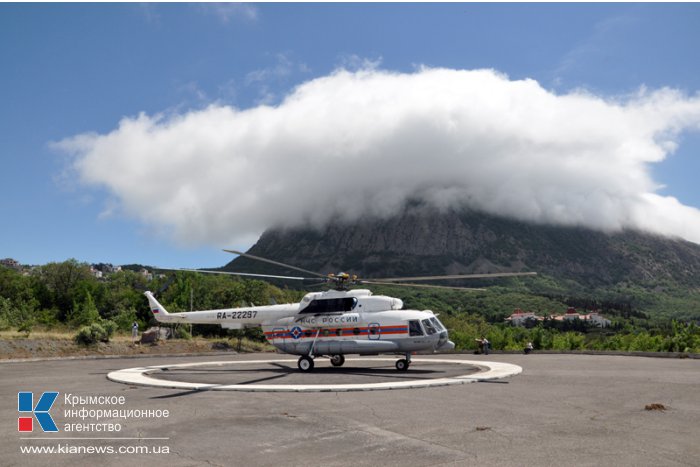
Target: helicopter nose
[447, 345]
[442, 340]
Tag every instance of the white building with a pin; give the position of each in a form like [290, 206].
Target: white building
[522, 318]
[595, 319]
[571, 314]
[145, 273]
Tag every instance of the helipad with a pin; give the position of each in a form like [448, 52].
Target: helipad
[263, 375]
[561, 410]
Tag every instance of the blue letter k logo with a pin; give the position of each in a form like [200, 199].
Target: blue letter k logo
[25, 403]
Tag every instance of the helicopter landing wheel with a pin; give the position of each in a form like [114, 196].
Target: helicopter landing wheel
[402, 364]
[337, 360]
[305, 364]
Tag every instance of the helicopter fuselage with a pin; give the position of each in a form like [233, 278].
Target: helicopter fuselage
[333, 323]
[390, 331]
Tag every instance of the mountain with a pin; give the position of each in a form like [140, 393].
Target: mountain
[423, 241]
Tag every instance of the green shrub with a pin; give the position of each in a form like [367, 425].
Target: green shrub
[182, 333]
[95, 332]
[90, 335]
[110, 327]
[26, 327]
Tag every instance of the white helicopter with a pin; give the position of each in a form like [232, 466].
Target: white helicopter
[336, 322]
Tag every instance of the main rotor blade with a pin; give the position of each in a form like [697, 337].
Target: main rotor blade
[456, 276]
[425, 286]
[247, 274]
[258, 258]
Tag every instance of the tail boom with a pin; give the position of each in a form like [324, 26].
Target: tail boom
[233, 318]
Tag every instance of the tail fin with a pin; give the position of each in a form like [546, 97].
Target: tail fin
[159, 313]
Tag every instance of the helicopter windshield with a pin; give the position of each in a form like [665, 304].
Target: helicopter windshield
[438, 325]
[429, 328]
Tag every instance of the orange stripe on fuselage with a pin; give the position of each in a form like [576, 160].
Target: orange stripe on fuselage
[345, 332]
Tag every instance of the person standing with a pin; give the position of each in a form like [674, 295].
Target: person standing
[134, 332]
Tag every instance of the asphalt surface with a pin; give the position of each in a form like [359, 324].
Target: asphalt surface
[562, 410]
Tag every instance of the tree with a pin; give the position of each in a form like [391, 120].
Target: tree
[15, 286]
[17, 313]
[59, 283]
[85, 313]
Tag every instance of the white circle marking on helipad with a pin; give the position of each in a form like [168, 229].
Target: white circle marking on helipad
[142, 376]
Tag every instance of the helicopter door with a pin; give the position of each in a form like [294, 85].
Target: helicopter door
[375, 331]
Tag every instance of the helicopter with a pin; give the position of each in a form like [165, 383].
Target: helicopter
[335, 322]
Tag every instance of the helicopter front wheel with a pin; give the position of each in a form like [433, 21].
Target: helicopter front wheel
[305, 364]
[402, 364]
[337, 360]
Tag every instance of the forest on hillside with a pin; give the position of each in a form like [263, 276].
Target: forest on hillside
[69, 296]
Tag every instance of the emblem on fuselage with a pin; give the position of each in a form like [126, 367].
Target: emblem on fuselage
[296, 332]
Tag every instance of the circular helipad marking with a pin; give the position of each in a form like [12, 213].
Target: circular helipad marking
[142, 376]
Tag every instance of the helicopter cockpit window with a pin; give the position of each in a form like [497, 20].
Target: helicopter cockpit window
[429, 328]
[331, 305]
[414, 328]
[438, 325]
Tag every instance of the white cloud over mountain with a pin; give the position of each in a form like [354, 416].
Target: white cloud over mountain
[361, 143]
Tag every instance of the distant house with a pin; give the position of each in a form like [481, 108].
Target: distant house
[11, 263]
[593, 318]
[596, 319]
[571, 314]
[523, 318]
[145, 273]
[106, 268]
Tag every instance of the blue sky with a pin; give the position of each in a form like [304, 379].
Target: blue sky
[77, 69]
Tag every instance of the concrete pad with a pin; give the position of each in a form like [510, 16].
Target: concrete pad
[483, 371]
[561, 410]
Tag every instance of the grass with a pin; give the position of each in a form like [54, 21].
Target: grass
[44, 334]
[61, 343]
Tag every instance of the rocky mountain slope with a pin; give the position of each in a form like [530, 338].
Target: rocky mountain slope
[424, 241]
